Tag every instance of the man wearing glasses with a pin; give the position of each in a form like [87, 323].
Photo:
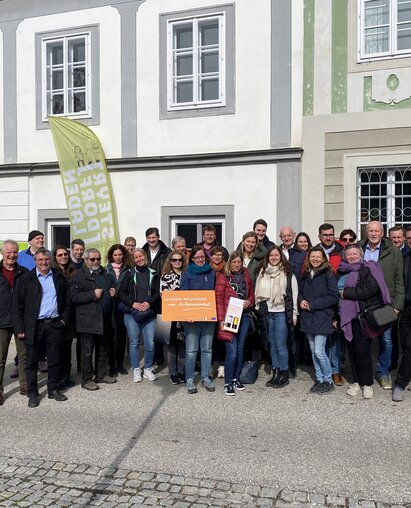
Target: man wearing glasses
[92, 296]
[41, 310]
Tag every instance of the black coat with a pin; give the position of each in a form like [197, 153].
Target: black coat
[321, 293]
[88, 308]
[127, 291]
[6, 294]
[27, 301]
[160, 259]
[366, 291]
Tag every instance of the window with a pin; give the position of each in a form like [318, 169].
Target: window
[197, 62]
[384, 194]
[192, 229]
[385, 28]
[58, 233]
[68, 75]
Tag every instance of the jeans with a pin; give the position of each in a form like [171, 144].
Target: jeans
[134, 330]
[235, 352]
[277, 336]
[334, 351]
[322, 365]
[198, 334]
[384, 354]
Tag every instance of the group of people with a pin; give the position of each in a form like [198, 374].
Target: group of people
[294, 296]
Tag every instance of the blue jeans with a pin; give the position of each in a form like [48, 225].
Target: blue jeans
[322, 365]
[384, 353]
[334, 351]
[235, 352]
[134, 331]
[198, 334]
[277, 336]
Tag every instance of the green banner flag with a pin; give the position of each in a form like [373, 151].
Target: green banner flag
[86, 184]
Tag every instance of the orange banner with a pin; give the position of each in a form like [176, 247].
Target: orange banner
[189, 306]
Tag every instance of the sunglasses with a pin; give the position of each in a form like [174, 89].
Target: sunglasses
[348, 239]
[94, 259]
[176, 260]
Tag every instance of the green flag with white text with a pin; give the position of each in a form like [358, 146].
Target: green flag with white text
[86, 184]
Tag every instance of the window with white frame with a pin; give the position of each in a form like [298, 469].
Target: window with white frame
[68, 75]
[384, 194]
[66, 78]
[196, 63]
[384, 28]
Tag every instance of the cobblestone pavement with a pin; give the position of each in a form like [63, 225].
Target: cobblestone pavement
[38, 483]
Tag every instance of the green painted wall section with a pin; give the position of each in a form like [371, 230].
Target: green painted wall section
[339, 56]
[370, 105]
[308, 77]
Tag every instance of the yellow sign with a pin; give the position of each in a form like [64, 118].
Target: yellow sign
[189, 306]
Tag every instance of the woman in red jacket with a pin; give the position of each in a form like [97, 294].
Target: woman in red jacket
[234, 281]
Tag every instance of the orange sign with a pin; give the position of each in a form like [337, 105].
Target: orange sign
[189, 306]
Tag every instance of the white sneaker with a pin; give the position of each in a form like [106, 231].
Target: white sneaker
[354, 390]
[367, 392]
[149, 374]
[137, 377]
[220, 371]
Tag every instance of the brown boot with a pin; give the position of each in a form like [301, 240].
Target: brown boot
[338, 379]
[23, 390]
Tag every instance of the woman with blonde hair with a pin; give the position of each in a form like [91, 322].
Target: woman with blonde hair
[252, 252]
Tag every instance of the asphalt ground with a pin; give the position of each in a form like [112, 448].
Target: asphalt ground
[286, 439]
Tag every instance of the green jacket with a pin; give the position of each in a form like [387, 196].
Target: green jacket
[391, 262]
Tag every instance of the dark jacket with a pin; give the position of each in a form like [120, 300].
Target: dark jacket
[321, 293]
[88, 308]
[203, 281]
[114, 282]
[267, 243]
[6, 294]
[223, 292]
[366, 291]
[296, 260]
[27, 301]
[127, 290]
[391, 261]
[160, 259]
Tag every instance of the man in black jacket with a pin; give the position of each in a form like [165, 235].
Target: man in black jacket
[41, 309]
[93, 299]
[10, 272]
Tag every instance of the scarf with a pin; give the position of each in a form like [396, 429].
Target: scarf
[116, 268]
[351, 308]
[141, 269]
[271, 285]
[218, 267]
[194, 269]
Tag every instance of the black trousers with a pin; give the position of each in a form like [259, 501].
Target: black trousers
[359, 350]
[48, 337]
[100, 344]
[404, 370]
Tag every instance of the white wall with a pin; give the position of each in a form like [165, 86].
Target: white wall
[37, 145]
[14, 208]
[1, 102]
[248, 128]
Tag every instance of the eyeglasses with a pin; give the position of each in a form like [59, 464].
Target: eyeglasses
[94, 259]
[176, 260]
[61, 255]
[324, 235]
[348, 239]
[199, 258]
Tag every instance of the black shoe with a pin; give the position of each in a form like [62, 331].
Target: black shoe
[314, 387]
[113, 373]
[238, 385]
[181, 377]
[175, 379]
[229, 390]
[33, 401]
[69, 383]
[123, 371]
[325, 388]
[57, 395]
[292, 373]
[273, 380]
[282, 380]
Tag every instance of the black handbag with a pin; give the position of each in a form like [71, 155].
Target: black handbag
[379, 316]
[249, 372]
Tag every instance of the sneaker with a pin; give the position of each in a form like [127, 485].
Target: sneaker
[385, 382]
[175, 379]
[314, 387]
[208, 384]
[238, 385]
[325, 387]
[137, 377]
[367, 392]
[229, 390]
[398, 394]
[191, 387]
[15, 372]
[353, 390]
[150, 374]
[181, 377]
[220, 372]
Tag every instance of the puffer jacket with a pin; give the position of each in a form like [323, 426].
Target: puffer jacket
[223, 292]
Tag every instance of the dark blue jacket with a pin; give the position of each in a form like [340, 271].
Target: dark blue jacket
[321, 293]
[201, 281]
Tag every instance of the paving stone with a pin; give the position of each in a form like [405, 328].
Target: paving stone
[367, 504]
[179, 480]
[174, 489]
[163, 487]
[317, 499]
[168, 501]
[194, 482]
[148, 485]
[208, 483]
[121, 473]
[254, 490]
[223, 486]
[146, 476]
[270, 492]
[107, 471]
[338, 501]
[162, 478]
[300, 497]
[382, 505]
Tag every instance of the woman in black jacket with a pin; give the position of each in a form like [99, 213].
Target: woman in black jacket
[317, 298]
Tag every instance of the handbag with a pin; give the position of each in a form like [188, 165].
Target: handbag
[224, 335]
[141, 316]
[368, 331]
[378, 316]
[249, 372]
